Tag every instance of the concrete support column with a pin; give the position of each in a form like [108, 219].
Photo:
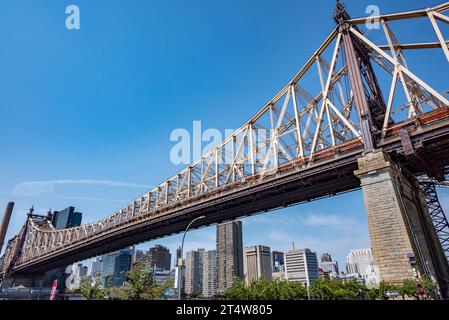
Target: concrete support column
[403, 239]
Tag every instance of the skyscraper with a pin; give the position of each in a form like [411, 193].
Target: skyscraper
[159, 257]
[201, 273]
[194, 272]
[302, 266]
[360, 261]
[278, 261]
[329, 266]
[66, 218]
[257, 263]
[116, 265]
[229, 254]
[209, 273]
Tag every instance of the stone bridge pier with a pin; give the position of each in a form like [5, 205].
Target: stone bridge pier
[403, 239]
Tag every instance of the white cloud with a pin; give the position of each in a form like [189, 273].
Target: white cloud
[31, 188]
[333, 221]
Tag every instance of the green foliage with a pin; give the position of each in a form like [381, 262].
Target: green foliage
[139, 280]
[409, 288]
[429, 286]
[138, 287]
[157, 291]
[265, 290]
[323, 289]
[118, 293]
[89, 291]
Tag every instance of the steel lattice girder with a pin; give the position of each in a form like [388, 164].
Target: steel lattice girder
[436, 211]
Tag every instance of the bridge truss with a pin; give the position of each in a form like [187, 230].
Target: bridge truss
[436, 212]
[332, 107]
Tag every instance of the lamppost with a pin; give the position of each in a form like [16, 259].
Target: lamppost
[180, 262]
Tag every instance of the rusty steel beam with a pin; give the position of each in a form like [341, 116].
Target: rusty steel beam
[355, 76]
[401, 15]
[413, 46]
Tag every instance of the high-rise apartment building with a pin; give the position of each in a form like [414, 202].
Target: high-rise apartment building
[194, 272]
[209, 273]
[361, 262]
[302, 266]
[201, 273]
[229, 254]
[159, 257]
[257, 263]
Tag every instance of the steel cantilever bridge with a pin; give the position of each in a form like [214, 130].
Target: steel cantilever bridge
[352, 96]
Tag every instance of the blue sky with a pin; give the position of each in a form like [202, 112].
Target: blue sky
[86, 115]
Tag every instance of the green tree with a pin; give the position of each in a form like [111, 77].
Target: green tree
[157, 291]
[409, 289]
[291, 290]
[118, 293]
[89, 291]
[323, 289]
[265, 290]
[139, 280]
[238, 291]
[429, 286]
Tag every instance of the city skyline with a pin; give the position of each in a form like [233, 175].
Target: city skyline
[200, 268]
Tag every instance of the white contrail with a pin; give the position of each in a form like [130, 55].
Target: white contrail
[40, 187]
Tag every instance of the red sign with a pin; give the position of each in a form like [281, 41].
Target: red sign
[53, 290]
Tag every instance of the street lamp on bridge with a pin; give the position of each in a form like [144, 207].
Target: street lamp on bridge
[180, 262]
